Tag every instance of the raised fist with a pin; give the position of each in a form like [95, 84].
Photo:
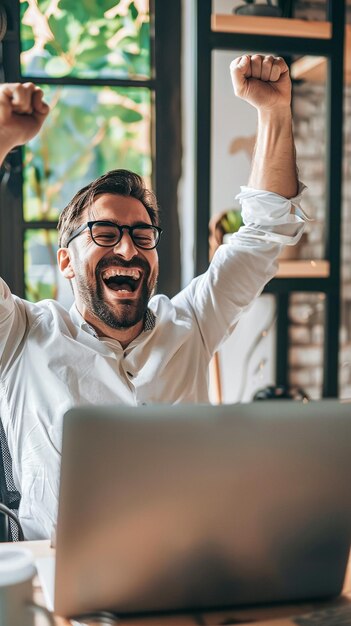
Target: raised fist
[263, 81]
[22, 113]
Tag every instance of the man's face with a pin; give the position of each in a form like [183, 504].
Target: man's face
[113, 285]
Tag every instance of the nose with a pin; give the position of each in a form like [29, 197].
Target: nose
[125, 247]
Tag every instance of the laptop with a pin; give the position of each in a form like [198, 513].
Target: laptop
[177, 508]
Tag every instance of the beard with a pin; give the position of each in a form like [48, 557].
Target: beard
[126, 313]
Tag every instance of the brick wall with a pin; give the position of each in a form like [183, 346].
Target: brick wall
[306, 312]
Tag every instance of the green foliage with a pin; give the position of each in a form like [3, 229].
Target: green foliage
[40, 291]
[27, 38]
[89, 131]
[231, 221]
[82, 39]
[128, 116]
[40, 268]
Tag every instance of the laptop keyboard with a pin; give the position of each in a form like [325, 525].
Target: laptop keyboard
[338, 616]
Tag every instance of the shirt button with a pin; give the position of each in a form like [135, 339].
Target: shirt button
[130, 374]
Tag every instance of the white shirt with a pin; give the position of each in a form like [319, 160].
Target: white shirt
[51, 359]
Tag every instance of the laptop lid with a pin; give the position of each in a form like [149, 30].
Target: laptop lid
[183, 507]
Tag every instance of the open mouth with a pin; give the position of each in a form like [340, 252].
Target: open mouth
[122, 279]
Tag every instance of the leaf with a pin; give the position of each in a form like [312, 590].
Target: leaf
[139, 66]
[58, 26]
[133, 11]
[106, 5]
[128, 116]
[51, 49]
[27, 37]
[92, 8]
[231, 221]
[24, 7]
[75, 9]
[144, 38]
[234, 219]
[44, 5]
[93, 53]
[57, 66]
[139, 95]
[91, 71]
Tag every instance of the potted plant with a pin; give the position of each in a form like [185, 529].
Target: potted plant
[221, 225]
[283, 8]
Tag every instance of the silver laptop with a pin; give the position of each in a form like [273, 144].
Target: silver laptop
[170, 508]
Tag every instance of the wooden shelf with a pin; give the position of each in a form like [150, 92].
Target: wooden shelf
[303, 269]
[314, 69]
[278, 26]
[309, 68]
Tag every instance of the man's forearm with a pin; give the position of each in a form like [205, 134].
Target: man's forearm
[274, 164]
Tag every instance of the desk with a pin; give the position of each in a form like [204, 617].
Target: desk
[267, 616]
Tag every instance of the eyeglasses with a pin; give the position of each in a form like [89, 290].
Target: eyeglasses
[108, 234]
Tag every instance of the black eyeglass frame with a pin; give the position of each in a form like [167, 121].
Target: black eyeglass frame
[120, 228]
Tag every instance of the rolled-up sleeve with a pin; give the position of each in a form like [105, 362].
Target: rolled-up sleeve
[243, 265]
[271, 217]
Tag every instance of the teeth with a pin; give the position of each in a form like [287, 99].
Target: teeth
[121, 271]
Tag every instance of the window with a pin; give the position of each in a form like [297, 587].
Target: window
[103, 67]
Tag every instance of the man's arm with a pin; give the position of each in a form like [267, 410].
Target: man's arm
[22, 114]
[263, 82]
[239, 270]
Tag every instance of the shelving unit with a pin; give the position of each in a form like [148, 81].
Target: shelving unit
[309, 68]
[314, 69]
[283, 37]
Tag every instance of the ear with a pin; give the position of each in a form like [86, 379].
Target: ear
[64, 263]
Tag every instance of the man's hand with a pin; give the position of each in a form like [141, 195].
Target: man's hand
[22, 114]
[263, 81]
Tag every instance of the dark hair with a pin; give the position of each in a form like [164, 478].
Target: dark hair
[122, 182]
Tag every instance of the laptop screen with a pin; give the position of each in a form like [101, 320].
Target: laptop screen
[183, 507]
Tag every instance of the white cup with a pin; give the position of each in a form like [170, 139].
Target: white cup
[17, 571]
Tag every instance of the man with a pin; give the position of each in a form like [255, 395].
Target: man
[119, 343]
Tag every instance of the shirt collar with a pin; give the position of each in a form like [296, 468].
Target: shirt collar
[78, 320]
[149, 321]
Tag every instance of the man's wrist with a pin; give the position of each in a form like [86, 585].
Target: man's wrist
[276, 116]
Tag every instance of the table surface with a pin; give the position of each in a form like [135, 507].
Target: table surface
[266, 616]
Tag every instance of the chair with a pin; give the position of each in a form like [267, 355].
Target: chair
[10, 527]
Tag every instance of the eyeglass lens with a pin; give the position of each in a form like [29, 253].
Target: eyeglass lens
[109, 234]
